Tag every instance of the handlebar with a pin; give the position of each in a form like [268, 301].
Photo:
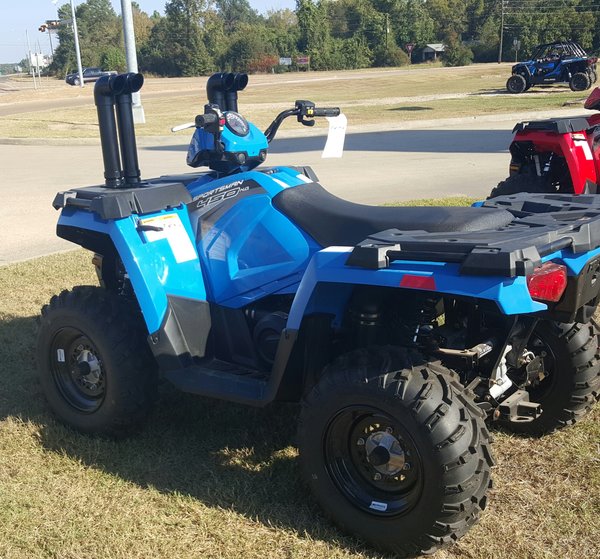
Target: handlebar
[211, 120]
[180, 127]
[305, 112]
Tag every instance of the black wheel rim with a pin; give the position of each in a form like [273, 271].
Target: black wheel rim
[373, 461]
[579, 83]
[77, 370]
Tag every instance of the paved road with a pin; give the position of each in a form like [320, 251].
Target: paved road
[461, 159]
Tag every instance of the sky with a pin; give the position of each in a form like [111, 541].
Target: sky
[30, 14]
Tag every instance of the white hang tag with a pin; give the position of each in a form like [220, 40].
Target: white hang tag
[170, 227]
[334, 147]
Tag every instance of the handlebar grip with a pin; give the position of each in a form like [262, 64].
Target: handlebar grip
[203, 120]
[332, 111]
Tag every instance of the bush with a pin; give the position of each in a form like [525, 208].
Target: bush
[456, 53]
[263, 64]
[113, 58]
[392, 56]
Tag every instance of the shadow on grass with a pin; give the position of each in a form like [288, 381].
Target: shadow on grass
[490, 91]
[224, 455]
[411, 109]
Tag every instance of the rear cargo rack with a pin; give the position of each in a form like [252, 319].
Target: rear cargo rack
[558, 125]
[543, 224]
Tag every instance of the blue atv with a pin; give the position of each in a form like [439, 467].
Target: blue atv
[558, 62]
[403, 331]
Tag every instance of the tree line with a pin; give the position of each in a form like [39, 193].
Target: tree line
[200, 36]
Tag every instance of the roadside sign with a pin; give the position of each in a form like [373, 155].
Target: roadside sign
[285, 61]
[409, 47]
[303, 60]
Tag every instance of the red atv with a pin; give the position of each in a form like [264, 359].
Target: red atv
[558, 155]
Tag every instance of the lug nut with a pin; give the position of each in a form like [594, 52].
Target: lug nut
[360, 442]
[389, 430]
[406, 466]
[377, 477]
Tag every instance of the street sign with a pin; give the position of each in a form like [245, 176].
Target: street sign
[303, 60]
[409, 47]
[285, 61]
[37, 60]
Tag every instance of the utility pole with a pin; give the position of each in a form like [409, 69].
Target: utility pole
[32, 70]
[51, 45]
[387, 30]
[131, 56]
[501, 31]
[77, 51]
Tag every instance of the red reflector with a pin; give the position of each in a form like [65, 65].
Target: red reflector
[418, 282]
[548, 282]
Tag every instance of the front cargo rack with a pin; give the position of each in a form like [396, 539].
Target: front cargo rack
[543, 224]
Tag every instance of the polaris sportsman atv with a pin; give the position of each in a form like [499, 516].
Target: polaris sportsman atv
[401, 330]
[561, 61]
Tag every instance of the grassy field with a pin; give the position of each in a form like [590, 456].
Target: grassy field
[366, 96]
[209, 479]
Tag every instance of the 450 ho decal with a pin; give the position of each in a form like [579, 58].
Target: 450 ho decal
[209, 206]
[226, 192]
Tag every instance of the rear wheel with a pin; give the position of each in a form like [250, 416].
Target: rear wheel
[395, 451]
[580, 81]
[521, 183]
[516, 84]
[571, 380]
[95, 366]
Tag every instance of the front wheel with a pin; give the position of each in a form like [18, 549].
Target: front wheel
[94, 364]
[516, 84]
[395, 450]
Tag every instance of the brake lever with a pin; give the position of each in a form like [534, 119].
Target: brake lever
[180, 127]
[305, 122]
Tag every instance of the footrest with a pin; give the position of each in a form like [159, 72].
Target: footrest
[217, 380]
[518, 409]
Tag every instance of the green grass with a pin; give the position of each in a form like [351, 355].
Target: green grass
[449, 201]
[208, 479]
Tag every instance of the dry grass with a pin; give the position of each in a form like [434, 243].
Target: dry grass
[208, 479]
[366, 96]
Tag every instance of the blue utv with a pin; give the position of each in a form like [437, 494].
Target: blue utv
[403, 331]
[558, 62]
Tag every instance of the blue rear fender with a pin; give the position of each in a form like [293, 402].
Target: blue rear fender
[328, 282]
[159, 263]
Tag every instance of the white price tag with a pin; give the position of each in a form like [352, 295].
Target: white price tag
[334, 147]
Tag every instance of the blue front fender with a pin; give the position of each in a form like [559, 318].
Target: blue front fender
[157, 267]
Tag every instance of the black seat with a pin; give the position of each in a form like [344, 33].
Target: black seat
[332, 221]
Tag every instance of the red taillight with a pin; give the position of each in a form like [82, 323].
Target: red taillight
[548, 282]
[418, 282]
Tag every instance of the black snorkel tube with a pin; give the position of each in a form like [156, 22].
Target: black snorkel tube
[222, 88]
[111, 91]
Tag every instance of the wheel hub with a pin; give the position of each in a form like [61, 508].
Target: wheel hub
[88, 371]
[384, 453]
